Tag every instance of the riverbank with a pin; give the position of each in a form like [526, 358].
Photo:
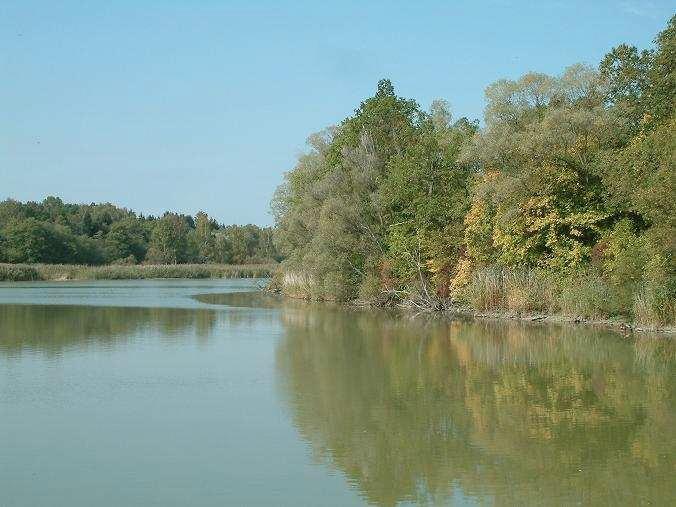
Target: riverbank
[617, 324]
[528, 295]
[452, 310]
[60, 272]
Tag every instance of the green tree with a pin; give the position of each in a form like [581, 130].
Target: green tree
[169, 240]
[124, 239]
[32, 241]
[540, 151]
[203, 238]
[331, 218]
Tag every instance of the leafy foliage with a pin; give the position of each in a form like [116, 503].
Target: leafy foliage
[373, 200]
[569, 186]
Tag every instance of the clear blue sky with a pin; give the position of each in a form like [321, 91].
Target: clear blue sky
[202, 105]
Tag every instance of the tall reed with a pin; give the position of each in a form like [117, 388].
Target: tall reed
[25, 272]
[497, 288]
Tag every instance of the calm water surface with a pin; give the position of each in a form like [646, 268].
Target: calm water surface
[191, 393]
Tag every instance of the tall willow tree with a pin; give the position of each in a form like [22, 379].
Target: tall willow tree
[366, 212]
[540, 194]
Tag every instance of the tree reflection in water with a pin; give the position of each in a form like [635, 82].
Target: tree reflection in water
[420, 410]
[52, 329]
[507, 413]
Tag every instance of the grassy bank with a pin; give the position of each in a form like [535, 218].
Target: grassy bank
[46, 272]
[586, 297]
[503, 293]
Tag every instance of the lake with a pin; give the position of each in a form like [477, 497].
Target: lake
[144, 393]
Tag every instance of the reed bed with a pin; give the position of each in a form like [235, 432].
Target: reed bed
[54, 272]
[497, 288]
[584, 295]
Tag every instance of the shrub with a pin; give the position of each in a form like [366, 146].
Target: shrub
[296, 284]
[625, 256]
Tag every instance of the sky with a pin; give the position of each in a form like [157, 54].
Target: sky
[203, 105]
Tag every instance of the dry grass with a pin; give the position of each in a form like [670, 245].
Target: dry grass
[497, 288]
[296, 285]
[18, 273]
[651, 308]
[24, 272]
[588, 296]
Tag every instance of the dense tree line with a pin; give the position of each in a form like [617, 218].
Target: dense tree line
[563, 200]
[52, 231]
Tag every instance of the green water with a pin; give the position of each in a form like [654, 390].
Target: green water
[190, 393]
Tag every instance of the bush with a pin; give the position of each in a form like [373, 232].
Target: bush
[624, 258]
[296, 284]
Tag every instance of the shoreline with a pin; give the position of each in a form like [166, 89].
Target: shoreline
[615, 324]
[622, 326]
[68, 272]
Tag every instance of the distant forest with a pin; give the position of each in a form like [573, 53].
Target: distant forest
[54, 232]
